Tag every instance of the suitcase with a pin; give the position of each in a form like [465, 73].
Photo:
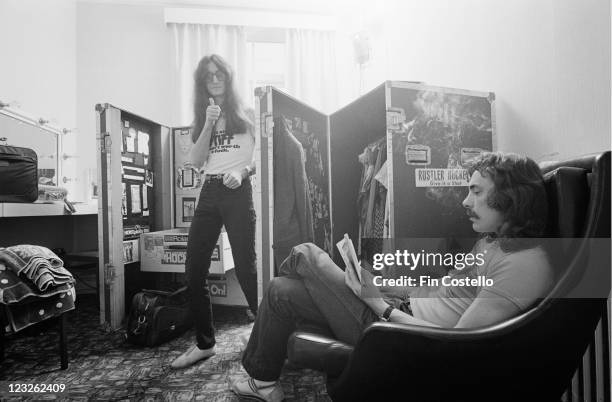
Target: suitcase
[18, 174]
[156, 317]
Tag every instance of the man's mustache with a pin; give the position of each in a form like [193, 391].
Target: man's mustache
[471, 213]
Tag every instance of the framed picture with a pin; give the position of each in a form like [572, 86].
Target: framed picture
[187, 177]
[189, 205]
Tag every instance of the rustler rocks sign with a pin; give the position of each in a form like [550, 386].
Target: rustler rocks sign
[441, 177]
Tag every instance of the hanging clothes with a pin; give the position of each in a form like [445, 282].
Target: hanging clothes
[372, 199]
[293, 218]
[318, 189]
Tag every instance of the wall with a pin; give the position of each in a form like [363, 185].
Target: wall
[38, 68]
[581, 76]
[123, 58]
[548, 62]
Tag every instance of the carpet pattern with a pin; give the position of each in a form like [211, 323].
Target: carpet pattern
[103, 366]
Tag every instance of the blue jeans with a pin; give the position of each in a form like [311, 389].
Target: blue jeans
[219, 205]
[312, 291]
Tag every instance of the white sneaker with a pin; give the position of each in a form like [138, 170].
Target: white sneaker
[250, 390]
[191, 356]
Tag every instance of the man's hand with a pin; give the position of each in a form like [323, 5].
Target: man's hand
[232, 180]
[366, 290]
[213, 112]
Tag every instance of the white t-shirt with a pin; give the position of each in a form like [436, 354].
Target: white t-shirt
[228, 152]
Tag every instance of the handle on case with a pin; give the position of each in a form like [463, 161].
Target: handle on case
[165, 293]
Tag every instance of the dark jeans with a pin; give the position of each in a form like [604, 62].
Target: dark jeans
[311, 292]
[218, 206]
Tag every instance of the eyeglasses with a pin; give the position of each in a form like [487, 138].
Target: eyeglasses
[221, 76]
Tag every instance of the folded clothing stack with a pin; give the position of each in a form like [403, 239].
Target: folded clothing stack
[34, 286]
[39, 264]
[51, 193]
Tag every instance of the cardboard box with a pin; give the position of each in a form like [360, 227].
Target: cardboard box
[166, 250]
[226, 290]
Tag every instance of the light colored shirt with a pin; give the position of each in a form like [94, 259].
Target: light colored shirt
[228, 152]
[519, 276]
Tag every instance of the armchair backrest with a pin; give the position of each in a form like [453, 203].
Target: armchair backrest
[579, 211]
[530, 357]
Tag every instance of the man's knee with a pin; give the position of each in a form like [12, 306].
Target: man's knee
[279, 288]
[305, 254]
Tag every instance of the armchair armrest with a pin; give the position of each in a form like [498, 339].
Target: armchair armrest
[318, 352]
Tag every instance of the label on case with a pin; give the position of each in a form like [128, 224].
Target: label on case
[418, 154]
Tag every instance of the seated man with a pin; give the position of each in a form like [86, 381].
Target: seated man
[506, 204]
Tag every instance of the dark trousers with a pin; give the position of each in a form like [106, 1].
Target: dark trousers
[312, 291]
[218, 206]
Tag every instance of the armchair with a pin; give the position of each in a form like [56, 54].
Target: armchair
[530, 357]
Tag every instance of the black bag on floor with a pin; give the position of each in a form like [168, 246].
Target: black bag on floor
[18, 174]
[157, 316]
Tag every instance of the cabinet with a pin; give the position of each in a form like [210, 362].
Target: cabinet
[426, 136]
[146, 205]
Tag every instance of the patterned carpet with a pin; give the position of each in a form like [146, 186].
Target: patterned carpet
[103, 367]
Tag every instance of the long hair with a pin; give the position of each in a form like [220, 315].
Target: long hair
[236, 119]
[519, 194]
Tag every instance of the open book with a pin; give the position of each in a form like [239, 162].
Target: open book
[349, 256]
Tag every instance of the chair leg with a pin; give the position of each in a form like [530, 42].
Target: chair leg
[63, 342]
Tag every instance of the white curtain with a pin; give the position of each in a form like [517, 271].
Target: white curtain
[191, 43]
[314, 70]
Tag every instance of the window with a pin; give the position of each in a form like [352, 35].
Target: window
[266, 57]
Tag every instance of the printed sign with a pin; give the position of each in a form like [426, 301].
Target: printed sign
[174, 256]
[441, 177]
[217, 289]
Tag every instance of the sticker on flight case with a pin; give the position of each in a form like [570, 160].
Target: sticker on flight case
[174, 256]
[441, 177]
[130, 140]
[418, 155]
[189, 205]
[395, 117]
[145, 199]
[136, 202]
[143, 142]
[149, 178]
[184, 141]
[217, 289]
[467, 154]
[216, 255]
[131, 251]
[124, 201]
[149, 243]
